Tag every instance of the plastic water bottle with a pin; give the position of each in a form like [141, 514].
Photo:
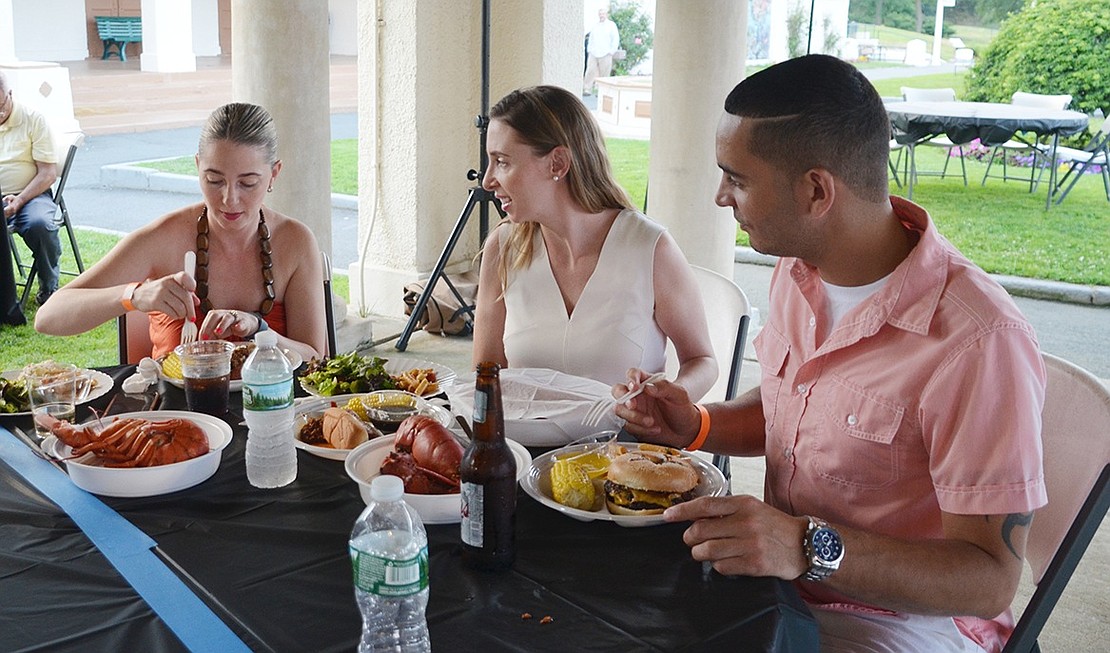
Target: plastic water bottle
[268, 409]
[389, 554]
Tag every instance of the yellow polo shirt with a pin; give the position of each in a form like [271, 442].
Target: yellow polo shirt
[24, 139]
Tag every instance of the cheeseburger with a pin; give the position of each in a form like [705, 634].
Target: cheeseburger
[648, 481]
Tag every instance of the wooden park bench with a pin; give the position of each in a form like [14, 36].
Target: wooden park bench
[118, 31]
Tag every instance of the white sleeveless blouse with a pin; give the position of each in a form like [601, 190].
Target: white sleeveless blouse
[613, 325]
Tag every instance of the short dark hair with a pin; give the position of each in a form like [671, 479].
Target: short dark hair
[817, 111]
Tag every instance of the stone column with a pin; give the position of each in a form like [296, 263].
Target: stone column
[167, 37]
[419, 92]
[699, 57]
[7, 32]
[282, 65]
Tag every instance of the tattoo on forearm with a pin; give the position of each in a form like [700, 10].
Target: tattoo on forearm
[1009, 524]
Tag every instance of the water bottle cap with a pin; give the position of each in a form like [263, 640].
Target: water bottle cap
[265, 339]
[386, 488]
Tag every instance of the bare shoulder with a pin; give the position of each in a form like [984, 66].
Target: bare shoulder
[290, 232]
[176, 229]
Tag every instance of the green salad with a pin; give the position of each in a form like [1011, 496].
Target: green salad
[13, 397]
[346, 374]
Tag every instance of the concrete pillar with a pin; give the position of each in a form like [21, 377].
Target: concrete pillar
[206, 28]
[167, 37]
[419, 92]
[699, 57]
[7, 32]
[286, 72]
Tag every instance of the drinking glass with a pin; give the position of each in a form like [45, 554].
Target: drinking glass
[206, 369]
[53, 393]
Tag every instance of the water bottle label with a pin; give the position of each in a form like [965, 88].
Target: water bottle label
[269, 396]
[388, 577]
[480, 402]
[473, 507]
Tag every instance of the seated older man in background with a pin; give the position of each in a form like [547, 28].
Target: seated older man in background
[28, 168]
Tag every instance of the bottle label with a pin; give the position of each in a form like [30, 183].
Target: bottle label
[481, 400]
[269, 396]
[388, 577]
[472, 513]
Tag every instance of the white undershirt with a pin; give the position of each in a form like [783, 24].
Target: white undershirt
[840, 300]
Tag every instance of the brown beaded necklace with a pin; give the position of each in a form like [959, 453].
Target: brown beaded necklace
[264, 254]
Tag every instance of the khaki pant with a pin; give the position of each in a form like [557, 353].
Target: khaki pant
[597, 67]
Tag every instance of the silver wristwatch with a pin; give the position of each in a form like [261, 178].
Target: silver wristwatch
[823, 548]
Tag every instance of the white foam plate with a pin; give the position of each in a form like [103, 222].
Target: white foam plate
[318, 405]
[537, 484]
[236, 385]
[101, 384]
[365, 462]
[445, 376]
[147, 481]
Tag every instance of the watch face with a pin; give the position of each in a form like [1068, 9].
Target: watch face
[826, 545]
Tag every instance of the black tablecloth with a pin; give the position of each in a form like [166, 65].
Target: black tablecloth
[992, 123]
[10, 310]
[274, 566]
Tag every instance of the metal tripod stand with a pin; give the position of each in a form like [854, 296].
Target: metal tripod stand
[478, 197]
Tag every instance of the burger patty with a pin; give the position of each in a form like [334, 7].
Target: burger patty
[622, 495]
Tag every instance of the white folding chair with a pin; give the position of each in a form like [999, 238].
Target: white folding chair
[933, 95]
[1076, 435]
[1014, 146]
[727, 313]
[1096, 153]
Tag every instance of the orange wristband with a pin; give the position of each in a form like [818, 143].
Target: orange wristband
[128, 293]
[703, 432]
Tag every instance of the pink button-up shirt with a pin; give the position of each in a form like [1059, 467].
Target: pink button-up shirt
[925, 398]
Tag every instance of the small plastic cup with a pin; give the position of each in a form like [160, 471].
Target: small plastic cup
[53, 392]
[206, 370]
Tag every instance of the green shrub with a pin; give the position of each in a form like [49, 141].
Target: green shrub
[1051, 47]
[635, 31]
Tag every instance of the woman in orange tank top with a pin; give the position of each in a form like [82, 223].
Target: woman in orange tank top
[254, 267]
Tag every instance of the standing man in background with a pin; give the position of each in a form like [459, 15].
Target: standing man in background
[28, 168]
[602, 41]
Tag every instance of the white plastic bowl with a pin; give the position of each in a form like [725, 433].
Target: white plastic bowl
[364, 463]
[148, 481]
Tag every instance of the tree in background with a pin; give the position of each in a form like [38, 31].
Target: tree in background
[916, 15]
[1052, 48]
[796, 30]
[636, 34]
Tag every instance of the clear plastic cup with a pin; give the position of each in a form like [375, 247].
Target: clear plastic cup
[53, 393]
[206, 370]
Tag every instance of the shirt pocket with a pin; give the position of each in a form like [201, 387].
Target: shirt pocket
[856, 443]
[771, 350]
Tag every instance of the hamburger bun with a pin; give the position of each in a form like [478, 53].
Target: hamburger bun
[649, 480]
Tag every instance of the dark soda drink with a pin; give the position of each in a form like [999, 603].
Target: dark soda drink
[208, 395]
[487, 477]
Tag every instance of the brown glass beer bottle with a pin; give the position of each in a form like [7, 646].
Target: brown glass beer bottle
[488, 479]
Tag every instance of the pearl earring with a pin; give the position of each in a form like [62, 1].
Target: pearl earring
[555, 178]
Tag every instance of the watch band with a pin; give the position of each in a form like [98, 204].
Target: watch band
[262, 324]
[128, 293]
[823, 548]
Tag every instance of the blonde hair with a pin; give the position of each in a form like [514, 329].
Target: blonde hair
[546, 117]
[243, 124]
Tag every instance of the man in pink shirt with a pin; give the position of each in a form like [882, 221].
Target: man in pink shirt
[901, 394]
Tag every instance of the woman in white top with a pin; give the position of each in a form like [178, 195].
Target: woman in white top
[575, 279]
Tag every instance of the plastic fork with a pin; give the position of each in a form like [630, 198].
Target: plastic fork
[594, 416]
[189, 330]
